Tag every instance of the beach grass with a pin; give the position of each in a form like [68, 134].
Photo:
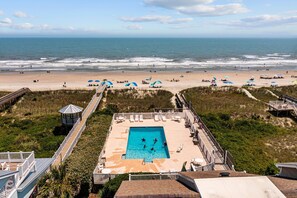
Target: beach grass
[226, 100]
[285, 90]
[33, 123]
[255, 138]
[139, 100]
[262, 94]
[3, 93]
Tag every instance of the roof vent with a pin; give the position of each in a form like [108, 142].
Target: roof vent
[224, 174]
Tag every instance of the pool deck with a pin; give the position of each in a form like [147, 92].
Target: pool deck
[176, 134]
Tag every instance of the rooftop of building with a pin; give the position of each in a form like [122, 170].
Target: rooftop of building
[154, 188]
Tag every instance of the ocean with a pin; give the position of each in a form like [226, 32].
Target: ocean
[145, 53]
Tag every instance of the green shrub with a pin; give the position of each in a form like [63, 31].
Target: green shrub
[111, 187]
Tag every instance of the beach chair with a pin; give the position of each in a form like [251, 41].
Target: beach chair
[157, 118]
[163, 118]
[180, 148]
[141, 118]
[132, 118]
[136, 118]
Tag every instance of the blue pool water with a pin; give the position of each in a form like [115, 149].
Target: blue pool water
[142, 144]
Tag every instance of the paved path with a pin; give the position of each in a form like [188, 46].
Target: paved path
[77, 129]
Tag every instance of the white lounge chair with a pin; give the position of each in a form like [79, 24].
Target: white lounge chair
[136, 118]
[157, 118]
[176, 118]
[180, 148]
[141, 118]
[3, 164]
[7, 167]
[163, 118]
[132, 118]
[100, 166]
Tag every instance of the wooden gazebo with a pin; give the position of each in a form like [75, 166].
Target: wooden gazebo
[70, 114]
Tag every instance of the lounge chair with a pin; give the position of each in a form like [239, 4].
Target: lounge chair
[3, 164]
[180, 148]
[141, 118]
[132, 118]
[136, 118]
[163, 118]
[7, 167]
[100, 166]
[157, 118]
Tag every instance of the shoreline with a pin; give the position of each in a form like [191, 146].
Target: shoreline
[11, 81]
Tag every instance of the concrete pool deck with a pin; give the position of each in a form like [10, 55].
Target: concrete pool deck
[176, 135]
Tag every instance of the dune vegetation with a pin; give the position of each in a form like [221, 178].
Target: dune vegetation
[286, 90]
[33, 122]
[255, 138]
[139, 101]
[3, 93]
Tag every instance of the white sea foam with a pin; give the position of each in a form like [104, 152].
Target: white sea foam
[271, 60]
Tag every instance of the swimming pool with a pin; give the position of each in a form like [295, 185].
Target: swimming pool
[147, 143]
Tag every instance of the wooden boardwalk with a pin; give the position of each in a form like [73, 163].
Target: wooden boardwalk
[12, 97]
[73, 136]
[287, 105]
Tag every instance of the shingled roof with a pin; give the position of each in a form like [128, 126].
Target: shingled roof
[287, 186]
[154, 188]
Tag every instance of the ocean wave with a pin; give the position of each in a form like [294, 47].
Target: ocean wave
[53, 63]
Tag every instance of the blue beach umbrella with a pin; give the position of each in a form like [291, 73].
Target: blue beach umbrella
[157, 82]
[108, 83]
[97, 80]
[90, 81]
[134, 84]
[228, 82]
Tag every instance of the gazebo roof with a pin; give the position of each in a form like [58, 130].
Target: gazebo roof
[71, 109]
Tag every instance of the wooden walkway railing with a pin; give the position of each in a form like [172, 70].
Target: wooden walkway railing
[12, 97]
[73, 136]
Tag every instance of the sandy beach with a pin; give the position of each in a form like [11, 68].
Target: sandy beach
[11, 81]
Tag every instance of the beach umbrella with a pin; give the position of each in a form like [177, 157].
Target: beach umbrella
[134, 84]
[108, 83]
[97, 80]
[90, 81]
[228, 82]
[157, 82]
[214, 78]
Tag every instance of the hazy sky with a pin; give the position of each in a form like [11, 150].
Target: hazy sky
[149, 18]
